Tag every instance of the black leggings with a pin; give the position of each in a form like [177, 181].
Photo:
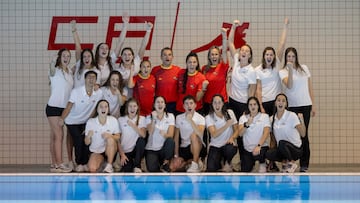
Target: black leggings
[216, 154]
[135, 156]
[284, 151]
[155, 158]
[248, 159]
[82, 152]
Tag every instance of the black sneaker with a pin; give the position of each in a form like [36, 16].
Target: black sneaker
[165, 168]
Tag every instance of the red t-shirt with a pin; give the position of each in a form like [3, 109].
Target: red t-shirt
[166, 82]
[217, 81]
[193, 85]
[144, 92]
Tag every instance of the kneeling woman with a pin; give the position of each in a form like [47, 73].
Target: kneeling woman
[101, 133]
[287, 127]
[254, 127]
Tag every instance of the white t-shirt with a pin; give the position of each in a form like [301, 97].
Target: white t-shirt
[299, 94]
[79, 78]
[253, 134]
[241, 78]
[61, 85]
[129, 136]
[125, 73]
[156, 140]
[98, 143]
[113, 100]
[186, 129]
[217, 122]
[285, 128]
[270, 82]
[83, 105]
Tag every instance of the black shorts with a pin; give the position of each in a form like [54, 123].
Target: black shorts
[185, 152]
[53, 111]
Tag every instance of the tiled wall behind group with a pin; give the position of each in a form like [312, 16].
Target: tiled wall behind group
[325, 33]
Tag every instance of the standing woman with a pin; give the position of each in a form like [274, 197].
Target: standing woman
[61, 81]
[132, 143]
[222, 126]
[115, 93]
[85, 60]
[243, 79]
[254, 128]
[298, 89]
[160, 145]
[101, 134]
[216, 72]
[191, 82]
[130, 62]
[288, 129]
[144, 85]
[268, 79]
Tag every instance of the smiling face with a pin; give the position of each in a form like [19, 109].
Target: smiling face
[132, 109]
[103, 108]
[281, 103]
[127, 57]
[191, 64]
[166, 57]
[269, 57]
[245, 54]
[217, 104]
[145, 68]
[87, 58]
[253, 106]
[103, 50]
[65, 58]
[90, 79]
[214, 56]
[159, 104]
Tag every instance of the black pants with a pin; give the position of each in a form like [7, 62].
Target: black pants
[216, 155]
[248, 159]
[82, 152]
[269, 107]
[155, 158]
[306, 111]
[135, 156]
[284, 151]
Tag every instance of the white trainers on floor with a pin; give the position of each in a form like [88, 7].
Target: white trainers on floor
[71, 165]
[81, 168]
[194, 168]
[137, 170]
[227, 168]
[291, 167]
[262, 168]
[108, 168]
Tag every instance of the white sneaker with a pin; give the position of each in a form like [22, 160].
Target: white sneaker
[108, 168]
[227, 168]
[137, 170]
[291, 167]
[52, 168]
[194, 168]
[262, 168]
[71, 165]
[116, 167]
[81, 168]
[62, 168]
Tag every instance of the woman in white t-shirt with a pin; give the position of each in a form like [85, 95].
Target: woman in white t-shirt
[61, 82]
[132, 141]
[101, 134]
[115, 93]
[299, 91]
[254, 127]
[222, 126]
[160, 144]
[288, 129]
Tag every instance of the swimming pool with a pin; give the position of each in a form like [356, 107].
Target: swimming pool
[232, 187]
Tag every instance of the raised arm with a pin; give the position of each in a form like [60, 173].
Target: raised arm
[231, 38]
[121, 40]
[280, 50]
[76, 40]
[224, 45]
[145, 40]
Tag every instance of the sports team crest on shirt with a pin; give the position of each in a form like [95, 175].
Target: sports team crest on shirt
[175, 78]
[192, 86]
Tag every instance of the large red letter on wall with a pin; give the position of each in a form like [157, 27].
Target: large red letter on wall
[66, 19]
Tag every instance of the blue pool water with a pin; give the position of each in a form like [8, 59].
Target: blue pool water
[192, 188]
